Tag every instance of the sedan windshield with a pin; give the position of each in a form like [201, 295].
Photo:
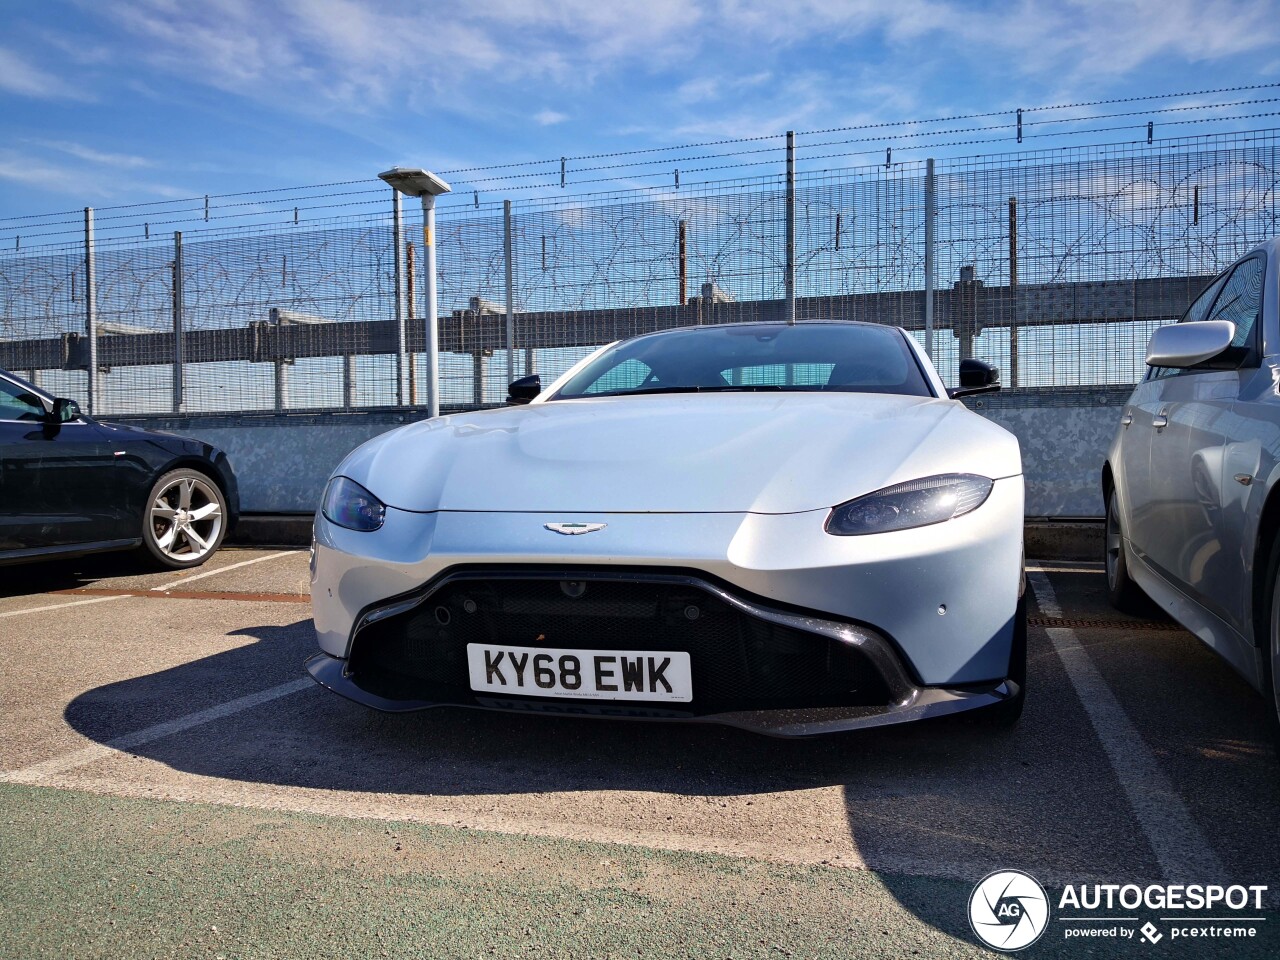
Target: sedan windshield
[859, 358]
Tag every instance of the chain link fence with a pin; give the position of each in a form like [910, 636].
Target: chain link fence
[1054, 264]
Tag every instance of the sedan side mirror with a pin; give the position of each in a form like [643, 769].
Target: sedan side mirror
[976, 376]
[64, 410]
[1189, 344]
[524, 389]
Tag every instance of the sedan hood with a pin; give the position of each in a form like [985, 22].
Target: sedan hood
[681, 453]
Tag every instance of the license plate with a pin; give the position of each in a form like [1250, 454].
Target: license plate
[661, 675]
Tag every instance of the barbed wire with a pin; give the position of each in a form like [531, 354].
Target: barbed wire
[634, 168]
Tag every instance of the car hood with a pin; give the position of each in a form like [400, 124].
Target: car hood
[681, 453]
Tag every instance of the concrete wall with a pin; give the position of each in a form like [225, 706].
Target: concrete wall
[282, 462]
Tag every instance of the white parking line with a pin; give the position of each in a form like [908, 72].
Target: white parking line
[39, 772]
[59, 606]
[1181, 849]
[209, 573]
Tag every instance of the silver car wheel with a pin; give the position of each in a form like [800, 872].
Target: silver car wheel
[1115, 542]
[1274, 650]
[186, 519]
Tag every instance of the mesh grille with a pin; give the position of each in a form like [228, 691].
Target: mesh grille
[738, 662]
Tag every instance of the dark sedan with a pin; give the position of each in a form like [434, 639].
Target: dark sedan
[71, 485]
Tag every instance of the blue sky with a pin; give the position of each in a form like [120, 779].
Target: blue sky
[134, 101]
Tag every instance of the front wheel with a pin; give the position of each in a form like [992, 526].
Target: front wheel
[1271, 653]
[1125, 595]
[184, 520]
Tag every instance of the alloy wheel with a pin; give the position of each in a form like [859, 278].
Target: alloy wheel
[1114, 542]
[186, 518]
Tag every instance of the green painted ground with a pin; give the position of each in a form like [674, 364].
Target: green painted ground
[92, 876]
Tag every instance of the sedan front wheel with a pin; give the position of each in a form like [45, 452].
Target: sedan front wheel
[184, 520]
[1125, 595]
[1271, 655]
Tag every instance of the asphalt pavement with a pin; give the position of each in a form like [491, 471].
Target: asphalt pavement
[168, 768]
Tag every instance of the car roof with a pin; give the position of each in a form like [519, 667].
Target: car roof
[767, 324]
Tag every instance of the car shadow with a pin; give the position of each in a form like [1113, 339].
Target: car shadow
[930, 806]
[49, 576]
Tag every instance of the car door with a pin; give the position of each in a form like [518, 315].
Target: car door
[1147, 456]
[1244, 431]
[56, 484]
[1192, 453]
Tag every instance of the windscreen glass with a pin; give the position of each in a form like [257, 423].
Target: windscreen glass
[755, 357]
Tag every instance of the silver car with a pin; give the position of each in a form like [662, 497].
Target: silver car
[1191, 481]
[791, 529]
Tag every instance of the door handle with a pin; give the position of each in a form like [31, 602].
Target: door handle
[1126, 419]
[1161, 419]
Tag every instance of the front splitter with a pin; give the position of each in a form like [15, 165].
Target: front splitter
[924, 702]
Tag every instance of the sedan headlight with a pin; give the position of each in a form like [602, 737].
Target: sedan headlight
[916, 503]
[350, 505]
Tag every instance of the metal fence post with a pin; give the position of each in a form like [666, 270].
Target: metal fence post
[477, 377]
[178, 343]
[1013, 291]
[930, 238]
[791, 227]
[349, 380]
[91, 314]
[411, 302]
[511, 290]
[397, 229]
[683, 267]
[281, 369]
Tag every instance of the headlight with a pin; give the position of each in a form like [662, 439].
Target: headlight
[916, 503]
[350, 505]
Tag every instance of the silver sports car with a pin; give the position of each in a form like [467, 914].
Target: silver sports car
[791, 529]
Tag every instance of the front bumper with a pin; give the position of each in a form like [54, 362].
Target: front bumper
[945, 594]
[754, 666]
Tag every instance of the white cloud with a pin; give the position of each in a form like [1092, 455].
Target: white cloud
[365, 57]
[18, 75]
[100, 182]
[1085, 39]
[122, 161]
[744, 66]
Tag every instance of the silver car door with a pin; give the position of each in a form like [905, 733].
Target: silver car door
[1235, 424]
[1156, 525]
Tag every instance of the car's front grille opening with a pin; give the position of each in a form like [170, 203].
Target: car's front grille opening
[738, 661]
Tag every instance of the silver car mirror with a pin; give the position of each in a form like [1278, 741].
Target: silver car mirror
[1188, 344]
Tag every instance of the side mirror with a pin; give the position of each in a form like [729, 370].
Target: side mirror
[65, 410]
[1189, 344]
[524, 389]
[976, 376]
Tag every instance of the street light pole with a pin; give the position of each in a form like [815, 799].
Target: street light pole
[413, 182]
[433, 327]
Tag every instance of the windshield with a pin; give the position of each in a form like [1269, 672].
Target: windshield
[858, 358]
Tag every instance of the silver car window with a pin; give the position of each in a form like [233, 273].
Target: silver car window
[848, 357]
[1200, 306]
[1241, 299]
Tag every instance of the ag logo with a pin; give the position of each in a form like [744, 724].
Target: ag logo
[1008, 910]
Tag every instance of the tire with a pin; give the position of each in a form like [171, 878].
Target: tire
[183, 520]
[1006, 713]
[1271, 650]
[1125, 595]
